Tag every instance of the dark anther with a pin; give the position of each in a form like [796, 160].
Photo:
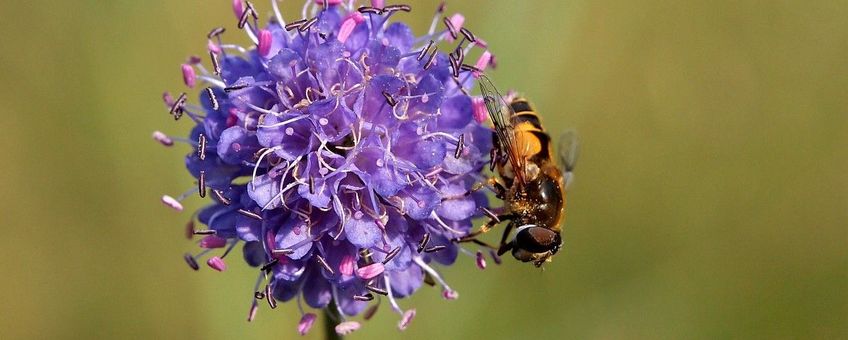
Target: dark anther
[460, 55]
[424, 50]
[259, 295]
[490, 214]
[235, 87]
[250, 214]
[391, 255]
[285, 251]
[205, 232]
[398, 7]
[450, 27]
[201, 184]
[216, 67]
[191, 261]
[365, 256]
[454, 65]
[493, 159]
[468, 35]
[220, 196]
[308, 24]
[366, 297]
[428, 279]
[324, 264]
[467, 67]
[369, 313]
[389, 99]
[434, 249]
[189, 229]
[294, 24]
[431, 59]
[252, 10]
[267, 267]
[311, 185]
[423, 242]
[271, 301]
[377, 290]
[216, 32]
[212, 98]
[243, 20]
[201, 146]
[441, 8]
[177, 107]
[459, 146]
[369, 10]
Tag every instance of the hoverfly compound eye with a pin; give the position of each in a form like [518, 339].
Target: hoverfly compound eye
[537, 239]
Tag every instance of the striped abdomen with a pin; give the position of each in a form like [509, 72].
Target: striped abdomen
[531, 141]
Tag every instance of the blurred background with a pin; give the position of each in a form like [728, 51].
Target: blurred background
[711, 198]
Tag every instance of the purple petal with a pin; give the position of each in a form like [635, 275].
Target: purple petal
[362, 230]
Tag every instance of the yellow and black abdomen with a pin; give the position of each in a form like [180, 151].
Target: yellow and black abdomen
[531, 140]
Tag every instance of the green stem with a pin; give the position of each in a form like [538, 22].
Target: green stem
[329, 323]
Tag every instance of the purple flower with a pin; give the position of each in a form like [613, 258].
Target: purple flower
[338, 151]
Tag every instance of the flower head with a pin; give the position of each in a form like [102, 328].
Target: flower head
[339, 151]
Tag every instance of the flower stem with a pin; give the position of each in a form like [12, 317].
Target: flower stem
[329, 324]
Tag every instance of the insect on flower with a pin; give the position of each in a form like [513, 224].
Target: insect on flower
[531, 184]
[336, 151]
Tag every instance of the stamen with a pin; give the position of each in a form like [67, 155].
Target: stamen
[217, 263]
[305, 323]
[311, 185]
[220, 196]
[369, 313]
[235, 87]
[480, 111]
[216, 67]
[459, 146]
[177, 108]
[424, 50]
[172, 202]
[271, 301]
[460, 56]
[406, 319]
[244, 16]
[201, 148]
[370, 271]
[294, 24]
[434, 249]
[378, 3]
[205, 232]
[191, 261]
[250, 214]
[423, 242]
[265, 41]
[346, 29]
[267, 267]
[212, 241]
[201, 184]
[212, 98]
[398, 7]
[377, 290]
[450, 27]
[391, 255]
[495, 256]
[308, 24]
[468, 35]
[189, 77]
[259, 295]
[189, 228]
[454, 65]
[447, 293]
[490, 214]
[366, 297]
[369, 10]
[324, 264]
[238, 8]
[282, 251]
[162, 138]
[431, 59]
[481, 261]
[391, 101]
[347, 327]
[252, 313]
[493, 159]
[216, 32]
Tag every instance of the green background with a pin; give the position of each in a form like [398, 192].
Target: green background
[711, 198]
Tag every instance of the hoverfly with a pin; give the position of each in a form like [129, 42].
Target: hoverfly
[531, 184]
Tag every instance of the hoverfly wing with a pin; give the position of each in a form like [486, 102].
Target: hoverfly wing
[569, 150]
[495, 105]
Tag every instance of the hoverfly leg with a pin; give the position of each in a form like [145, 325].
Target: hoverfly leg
[493, 183]
[504, 246]
[484, 229]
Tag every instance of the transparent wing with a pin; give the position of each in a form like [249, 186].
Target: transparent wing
[498, 110]
[569, 150]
